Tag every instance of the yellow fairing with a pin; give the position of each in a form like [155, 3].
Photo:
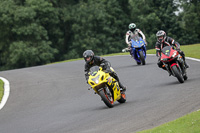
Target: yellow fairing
[115, 87]
[99, 79]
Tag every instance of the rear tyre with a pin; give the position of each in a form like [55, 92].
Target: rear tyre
[142, 57]
[106, 96]
[178, 74]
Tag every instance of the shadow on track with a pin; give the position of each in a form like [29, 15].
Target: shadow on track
[116, 105]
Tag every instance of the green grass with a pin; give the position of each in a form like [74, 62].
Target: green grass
[189, 123]
[1, 89]
[189, 50]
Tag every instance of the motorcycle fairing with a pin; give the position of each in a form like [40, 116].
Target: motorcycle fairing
[137, 45]
[174, 64]
[168, 54]
[115, 87]
[98, 79]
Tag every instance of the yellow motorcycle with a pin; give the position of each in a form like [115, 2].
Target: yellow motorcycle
[105, 86]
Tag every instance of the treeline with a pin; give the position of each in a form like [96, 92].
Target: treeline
[36, 32]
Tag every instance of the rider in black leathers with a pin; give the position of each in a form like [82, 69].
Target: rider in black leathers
[162, 41]
[92, 60]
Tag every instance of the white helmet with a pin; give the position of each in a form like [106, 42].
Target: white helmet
[132, 27]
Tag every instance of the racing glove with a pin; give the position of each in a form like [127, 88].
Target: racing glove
[145, 42]
[103, 65]
[129, 44]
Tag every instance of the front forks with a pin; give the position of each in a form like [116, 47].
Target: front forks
[168, 70]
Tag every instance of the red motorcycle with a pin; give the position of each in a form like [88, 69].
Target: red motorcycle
[174, 64]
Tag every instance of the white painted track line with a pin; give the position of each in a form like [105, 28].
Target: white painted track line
[6, 92]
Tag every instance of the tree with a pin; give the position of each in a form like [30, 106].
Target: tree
[28, 29]
[190, 21]
[153, 15]
[97, 25]
[35, 32]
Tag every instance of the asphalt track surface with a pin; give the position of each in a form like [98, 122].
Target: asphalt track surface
[54, 98]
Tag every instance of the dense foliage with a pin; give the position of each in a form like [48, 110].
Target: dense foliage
[36, 32]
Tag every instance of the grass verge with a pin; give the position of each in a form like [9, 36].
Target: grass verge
[1, 89]
[192, 50]
[189, 123]
[189, 50]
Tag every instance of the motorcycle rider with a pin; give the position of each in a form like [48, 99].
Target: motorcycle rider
[92, 60]
[131, 32]
[162, 41]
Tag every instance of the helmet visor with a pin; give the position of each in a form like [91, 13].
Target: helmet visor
[132, 29]
[160, 38]
[88, 58]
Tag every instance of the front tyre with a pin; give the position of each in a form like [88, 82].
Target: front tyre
[138, 62]
[185, 76]
[142, 57]
[178, 74]
[106, 97]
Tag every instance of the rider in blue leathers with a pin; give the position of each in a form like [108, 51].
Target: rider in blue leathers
[131, 32]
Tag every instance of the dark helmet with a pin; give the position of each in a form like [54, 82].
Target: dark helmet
[132, 27]
[87, 54]
[161, 36]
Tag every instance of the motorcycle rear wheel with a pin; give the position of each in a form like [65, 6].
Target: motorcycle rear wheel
[106, 96]
[178, 74]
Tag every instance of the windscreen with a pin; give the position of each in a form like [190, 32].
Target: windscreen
[93, 70]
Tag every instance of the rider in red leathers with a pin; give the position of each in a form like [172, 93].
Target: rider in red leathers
[162, 41]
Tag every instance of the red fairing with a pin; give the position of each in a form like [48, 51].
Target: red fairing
[170, 55]
[164, 56]
[173, 64]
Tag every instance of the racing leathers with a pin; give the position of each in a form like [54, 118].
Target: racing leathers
[99, 61]
[168, 41]
[129, 35]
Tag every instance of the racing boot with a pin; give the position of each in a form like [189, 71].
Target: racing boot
[186, 65]
[114, 75]
[183, 55]
[122, 88]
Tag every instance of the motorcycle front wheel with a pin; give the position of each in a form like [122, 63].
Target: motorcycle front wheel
[142, 57]
[106, 96]
[185, 77]
[178, 74]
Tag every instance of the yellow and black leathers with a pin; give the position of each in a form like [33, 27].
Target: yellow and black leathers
[99, 61]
